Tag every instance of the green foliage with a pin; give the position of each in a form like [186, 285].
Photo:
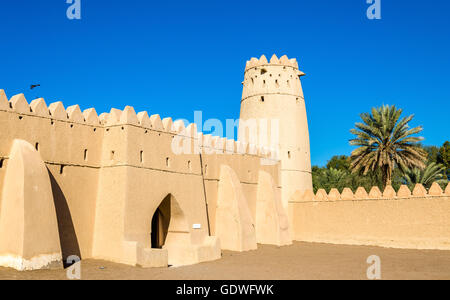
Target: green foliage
[328, 179]
[432, 154]
[444, 157]
[432, 173]
[386, 142]
[339, 162]
[337, 174]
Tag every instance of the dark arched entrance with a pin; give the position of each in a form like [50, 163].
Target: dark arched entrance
[160, 223]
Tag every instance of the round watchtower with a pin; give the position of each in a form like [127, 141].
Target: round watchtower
[273, 95]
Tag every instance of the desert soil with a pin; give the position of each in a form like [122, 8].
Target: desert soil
[299, 261]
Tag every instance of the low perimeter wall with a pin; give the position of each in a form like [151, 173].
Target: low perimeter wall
[416, 220]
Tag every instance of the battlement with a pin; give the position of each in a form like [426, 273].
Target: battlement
[116, 117]
[277, 77]
[417, 219]
[55, 111]
[274, 61]
[374, 194]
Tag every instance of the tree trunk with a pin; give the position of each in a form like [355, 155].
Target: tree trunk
[387, 176]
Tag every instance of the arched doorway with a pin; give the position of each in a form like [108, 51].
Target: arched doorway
[170, 231]
[160, 223]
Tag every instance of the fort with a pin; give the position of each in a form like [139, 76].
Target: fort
[111, 187]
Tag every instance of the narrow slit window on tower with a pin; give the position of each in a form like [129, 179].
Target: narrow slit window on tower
[1, 163]
[289, 154]
[112, 154]
[189, 165]
[61, 169]
[262, 99]
[141, 156]
[167, 162]
[276, 83]
[37, 146]
[85, 154]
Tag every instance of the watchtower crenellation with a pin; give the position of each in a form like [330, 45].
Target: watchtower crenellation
[279, 76]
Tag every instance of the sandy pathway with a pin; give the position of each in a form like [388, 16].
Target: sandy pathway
[299, 261]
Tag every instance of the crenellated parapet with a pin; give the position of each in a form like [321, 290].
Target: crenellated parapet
[412, 219]
[142, 122]
[375, 193]
[64, 137]
[55, 111]
[73, 114]
[283, 61]
[277, 77]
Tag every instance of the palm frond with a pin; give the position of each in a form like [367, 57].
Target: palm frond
[385, 141]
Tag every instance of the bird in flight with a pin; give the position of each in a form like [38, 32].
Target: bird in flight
[34, 86]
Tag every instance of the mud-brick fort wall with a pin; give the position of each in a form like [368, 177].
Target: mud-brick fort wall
[110, 173]
[418, 220]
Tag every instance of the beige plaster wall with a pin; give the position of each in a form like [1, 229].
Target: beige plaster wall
[419, 220]
[109, 173]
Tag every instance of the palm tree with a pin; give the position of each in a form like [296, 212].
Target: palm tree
[329, 178]
[432, 173]
[386, 142]
[334, 176]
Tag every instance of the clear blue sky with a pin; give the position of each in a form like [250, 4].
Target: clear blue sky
[174, 57]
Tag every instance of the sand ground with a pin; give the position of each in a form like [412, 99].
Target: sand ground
[299, 261]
